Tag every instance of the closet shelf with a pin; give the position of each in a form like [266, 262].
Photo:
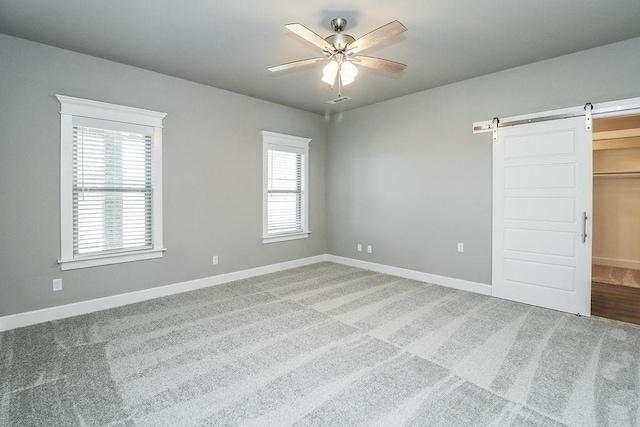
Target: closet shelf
[617, 174]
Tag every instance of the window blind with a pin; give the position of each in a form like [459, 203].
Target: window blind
[285, 192]
[112, 191]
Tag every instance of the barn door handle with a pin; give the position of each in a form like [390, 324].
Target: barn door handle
[584, 227]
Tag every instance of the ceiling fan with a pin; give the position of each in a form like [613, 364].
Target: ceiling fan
[341, 51]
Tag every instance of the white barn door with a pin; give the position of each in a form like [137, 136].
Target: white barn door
[542, 191]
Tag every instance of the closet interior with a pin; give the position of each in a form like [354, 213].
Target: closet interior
[616, 218]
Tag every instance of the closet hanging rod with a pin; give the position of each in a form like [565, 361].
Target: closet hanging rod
[629, 174]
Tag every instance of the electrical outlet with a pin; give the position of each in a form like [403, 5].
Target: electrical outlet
[359, 247]
[57, 284]
[460, 247]
[215, 260]
[369, 249]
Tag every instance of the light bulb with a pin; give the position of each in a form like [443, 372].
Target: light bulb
[348, 73]
[330, 72]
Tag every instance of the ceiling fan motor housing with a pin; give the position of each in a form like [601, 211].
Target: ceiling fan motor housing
[340, 41]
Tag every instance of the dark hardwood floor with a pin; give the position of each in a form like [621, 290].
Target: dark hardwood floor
[615, 302]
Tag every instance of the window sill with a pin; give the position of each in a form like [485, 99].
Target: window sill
[285, 237]
[95, 261]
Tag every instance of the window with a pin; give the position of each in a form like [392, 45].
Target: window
[285, 186]
[111, 183]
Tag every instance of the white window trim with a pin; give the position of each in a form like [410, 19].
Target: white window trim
[71, 107]
[273, 139]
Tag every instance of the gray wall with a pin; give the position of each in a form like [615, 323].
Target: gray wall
[408, 177]
[212, 176]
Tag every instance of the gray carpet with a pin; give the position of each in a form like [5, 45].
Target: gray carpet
[323, 344]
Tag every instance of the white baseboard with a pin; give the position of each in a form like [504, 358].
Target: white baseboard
[449, 282]
[69, 310]
[622, 263]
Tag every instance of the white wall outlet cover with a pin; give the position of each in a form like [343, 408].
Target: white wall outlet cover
[369, 249]
[57, 284]
[215, 260]
[359, 247]
[460, 247]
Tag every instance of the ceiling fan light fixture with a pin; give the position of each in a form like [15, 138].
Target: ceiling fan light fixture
[348, 73]
[330, 72]
[341, 49]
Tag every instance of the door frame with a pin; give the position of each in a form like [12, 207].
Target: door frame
[616, 108]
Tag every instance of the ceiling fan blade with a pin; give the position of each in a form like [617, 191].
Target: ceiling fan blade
[379, 64]
[294, 64]
[376, 36]
[310, 36]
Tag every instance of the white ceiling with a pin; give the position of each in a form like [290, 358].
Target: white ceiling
[230, 44]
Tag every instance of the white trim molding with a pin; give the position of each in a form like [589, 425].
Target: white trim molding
[449, 282]
[69, 310]
[118, 113]
[88, 113]
[84, 307]
[119, 258]
[291, 144]
[285, 237]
